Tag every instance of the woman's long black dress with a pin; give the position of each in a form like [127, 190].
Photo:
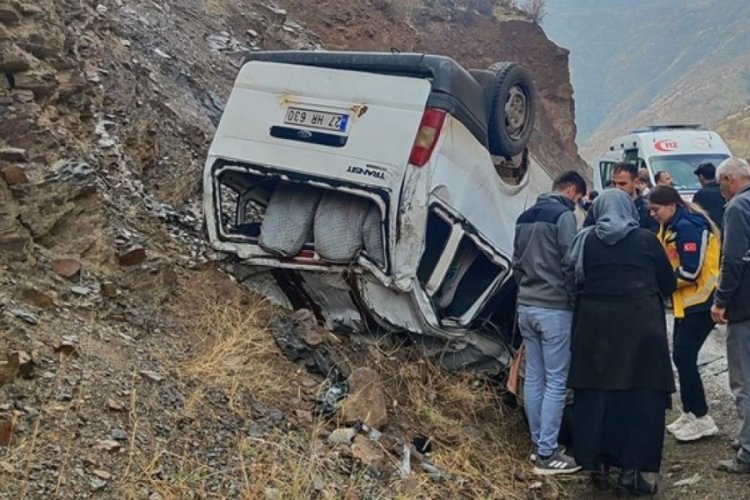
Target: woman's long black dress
[620, 366]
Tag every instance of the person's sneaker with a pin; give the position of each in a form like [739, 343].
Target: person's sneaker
[680, 422]
[697, 428]
[558, 463]
[734, 466]
[532, 456]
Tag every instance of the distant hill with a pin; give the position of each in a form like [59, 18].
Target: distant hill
[735, 129]
[640, 62]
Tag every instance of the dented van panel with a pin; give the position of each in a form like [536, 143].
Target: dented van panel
[330, 204]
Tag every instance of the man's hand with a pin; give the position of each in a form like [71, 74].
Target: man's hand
[719, 314]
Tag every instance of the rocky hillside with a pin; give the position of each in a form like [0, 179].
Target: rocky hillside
[672, 61]
[735, 130]
[132, 365]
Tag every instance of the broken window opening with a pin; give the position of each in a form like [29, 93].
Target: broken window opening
[438, 232]
[468, 278]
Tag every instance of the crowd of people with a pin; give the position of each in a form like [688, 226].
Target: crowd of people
[592, 310]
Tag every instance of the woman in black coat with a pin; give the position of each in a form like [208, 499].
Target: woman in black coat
[620, 368]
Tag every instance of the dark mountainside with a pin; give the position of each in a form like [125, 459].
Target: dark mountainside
[645, 62]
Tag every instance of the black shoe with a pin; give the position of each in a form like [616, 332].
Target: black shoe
[634, 483]
[600, 477]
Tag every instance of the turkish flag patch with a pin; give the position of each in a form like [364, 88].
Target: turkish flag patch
[691, 247]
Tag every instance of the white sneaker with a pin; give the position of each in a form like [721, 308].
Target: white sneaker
[697, 428]
[680, 422]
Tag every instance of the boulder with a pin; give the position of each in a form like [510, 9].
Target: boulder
[366, 400]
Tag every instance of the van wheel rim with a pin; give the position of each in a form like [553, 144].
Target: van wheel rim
[516, 112]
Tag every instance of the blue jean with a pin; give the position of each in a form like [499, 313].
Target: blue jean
[546, 334]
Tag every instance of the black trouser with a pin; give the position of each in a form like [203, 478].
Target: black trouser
[690, 333]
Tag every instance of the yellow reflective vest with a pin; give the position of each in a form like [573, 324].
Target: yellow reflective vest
[694, 252]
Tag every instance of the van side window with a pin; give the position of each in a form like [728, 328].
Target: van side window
[605, 171]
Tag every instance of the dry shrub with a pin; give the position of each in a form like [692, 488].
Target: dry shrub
[477, 440]
[232, 349]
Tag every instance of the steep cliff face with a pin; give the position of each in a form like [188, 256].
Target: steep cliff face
[476, 41]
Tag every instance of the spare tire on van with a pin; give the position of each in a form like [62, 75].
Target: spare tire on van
[512, 110]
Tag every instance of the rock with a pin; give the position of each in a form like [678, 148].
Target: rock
[14, 247]
[67, 268]
[109, 290]
[366, 400]
[342, 436]
[151, 375]
[25, 316]
[270, 493]
[25, 364]
[304, 416]
[6, 431]
[115, 405]
[68, 345]
[14, 175]
[8, 14]
[108, 445]
[12, 154]
[690, 481]
[132, 256]
[118, 434]
[97, 484]
[102, 474]
[81, 291]
[39, 299]
[367, 452]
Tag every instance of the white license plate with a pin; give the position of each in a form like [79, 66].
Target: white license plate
[312, 118]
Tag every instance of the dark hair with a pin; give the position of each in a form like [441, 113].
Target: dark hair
[593, 194]
[665, 195]
[570, 178]
[707, 170]
[658, 175]
[610, 183]
[625, 166]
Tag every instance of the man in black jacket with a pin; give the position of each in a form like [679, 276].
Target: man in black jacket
[623, 178]
[732, 298]
[709, 195]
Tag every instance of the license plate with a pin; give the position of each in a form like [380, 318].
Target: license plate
[312, 118]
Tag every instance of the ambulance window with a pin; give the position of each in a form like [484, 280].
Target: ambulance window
[605, 171]
[631, 156]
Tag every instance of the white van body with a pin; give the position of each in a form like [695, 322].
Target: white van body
[418, 249]
[677, 149]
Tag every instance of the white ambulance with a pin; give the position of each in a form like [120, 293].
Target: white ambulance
[677, 149]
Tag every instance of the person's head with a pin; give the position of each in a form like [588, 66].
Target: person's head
[663, 178]
[623, 177]
[592, 195]
[706, 173]
[615, 215]
[663, 202]
[571, 185]
[643, 173]
[733, 175]
[640, 185]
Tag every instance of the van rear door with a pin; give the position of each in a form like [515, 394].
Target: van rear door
[347, 125]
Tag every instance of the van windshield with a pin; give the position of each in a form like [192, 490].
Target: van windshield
[681, 168]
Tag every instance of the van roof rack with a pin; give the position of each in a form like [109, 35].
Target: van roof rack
[676, 126]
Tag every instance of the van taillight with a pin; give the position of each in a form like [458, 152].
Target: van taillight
[427, 136]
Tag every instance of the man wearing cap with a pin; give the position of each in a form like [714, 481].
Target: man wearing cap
[709, 196]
